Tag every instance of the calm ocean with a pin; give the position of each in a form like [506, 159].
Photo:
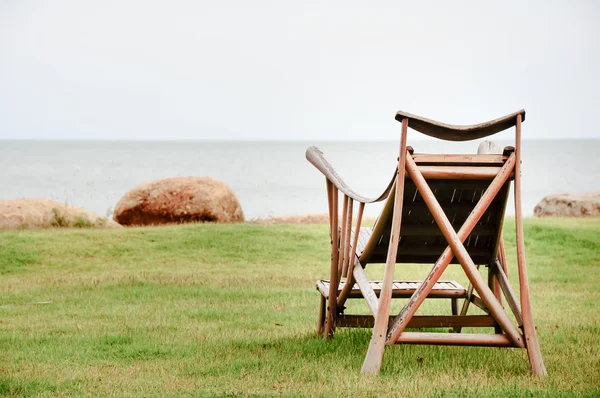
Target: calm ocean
[269, 178]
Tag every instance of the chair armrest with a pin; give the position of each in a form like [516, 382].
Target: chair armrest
[451, 132]
[315, 156]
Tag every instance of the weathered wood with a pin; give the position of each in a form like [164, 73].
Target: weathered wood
[495, 286]
[329, 203]
[342, 242]
[470, 339]
[322, 312]
[499, 245]
[315, 156]
[361, 209]
[348, 286]
[333, 274]
[489, 159]
[509, 294]
[421, 321]
[437, 195]
[417, 298]
[345, 241]
[465, 306]
[486, 148]
[451, 132]
[372, 362]
[325, 328]
[490, 148]
[458, 172]
[502, 255]
[493, 282]
[533, 348]
[347, 258]
[463, 256]
[365, 287]
[479, 303]
[400, 289]
[347, 290]
[361, 238]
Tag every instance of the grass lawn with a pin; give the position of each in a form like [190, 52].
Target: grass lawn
[222, 310]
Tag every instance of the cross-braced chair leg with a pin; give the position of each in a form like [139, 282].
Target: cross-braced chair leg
[533, 345]
[374, 358]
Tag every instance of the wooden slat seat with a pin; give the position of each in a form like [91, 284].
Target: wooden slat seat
[401, 289]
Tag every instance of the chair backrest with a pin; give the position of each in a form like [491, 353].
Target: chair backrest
[458, 182]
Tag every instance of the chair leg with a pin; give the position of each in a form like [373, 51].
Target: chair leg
[533, 346]
[321, 321]
[374, 358]
[329, 329]
[335, 253]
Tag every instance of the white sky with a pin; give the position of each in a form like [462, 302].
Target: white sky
[301, 70]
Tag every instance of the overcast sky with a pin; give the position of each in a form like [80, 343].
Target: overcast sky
[301, 70]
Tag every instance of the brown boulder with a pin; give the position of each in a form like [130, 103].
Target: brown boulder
[179, 200]
[44, 213]
[569, 205]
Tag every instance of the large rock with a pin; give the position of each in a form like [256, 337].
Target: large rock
[44, 213]
[179, 200]
[569, 205]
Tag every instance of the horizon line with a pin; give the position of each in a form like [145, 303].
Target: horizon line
[422, 139]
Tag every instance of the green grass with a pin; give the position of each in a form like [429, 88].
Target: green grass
[225, 310]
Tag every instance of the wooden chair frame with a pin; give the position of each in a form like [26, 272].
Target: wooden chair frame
[346, 263]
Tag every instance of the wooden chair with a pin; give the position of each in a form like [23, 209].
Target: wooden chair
[439, 209]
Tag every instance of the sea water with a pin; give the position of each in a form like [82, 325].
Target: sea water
[270, 178]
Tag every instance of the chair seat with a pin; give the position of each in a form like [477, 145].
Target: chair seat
[401, 289]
